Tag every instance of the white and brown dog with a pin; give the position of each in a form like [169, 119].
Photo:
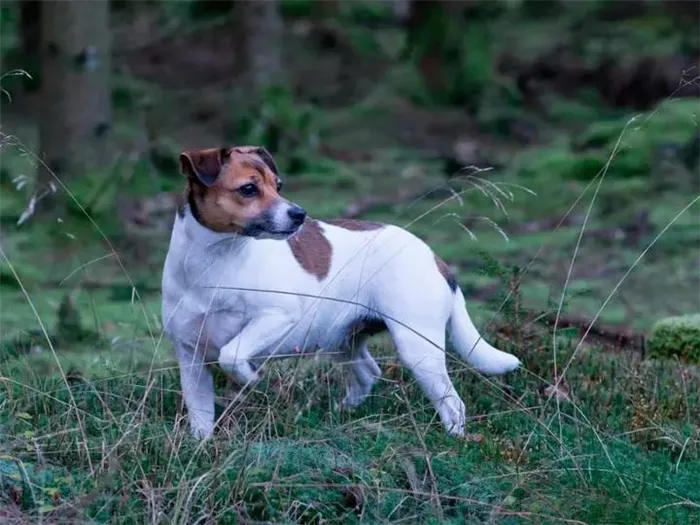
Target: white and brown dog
[249, 276]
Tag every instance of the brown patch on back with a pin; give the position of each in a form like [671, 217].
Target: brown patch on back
[355, 225]
[311, 249]
[446, 273]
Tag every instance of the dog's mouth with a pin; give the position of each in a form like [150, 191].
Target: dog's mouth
[279, 235]
[260, 232]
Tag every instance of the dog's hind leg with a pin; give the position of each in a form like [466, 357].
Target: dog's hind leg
[423, 353]
[362, 372]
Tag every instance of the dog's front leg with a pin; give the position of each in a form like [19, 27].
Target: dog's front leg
[197, 389]
[262, 333]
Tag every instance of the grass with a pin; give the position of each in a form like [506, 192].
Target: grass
[102, 436]
[622, 449]
[95, 431]
[616, 442]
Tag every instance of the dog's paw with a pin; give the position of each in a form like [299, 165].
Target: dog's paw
[242, 372]
[354, 397]
[202, 431]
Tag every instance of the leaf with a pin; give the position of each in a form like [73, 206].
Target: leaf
[509, 501]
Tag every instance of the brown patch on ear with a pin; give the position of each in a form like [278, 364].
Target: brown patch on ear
[446, 273]
[355, 225]
[203, 166]
[311, 249]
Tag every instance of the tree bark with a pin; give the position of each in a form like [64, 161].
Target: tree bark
[426, 32]
[261, 30]
[29, 24]
[75, 119]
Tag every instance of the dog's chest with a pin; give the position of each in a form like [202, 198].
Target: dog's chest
[200, 307]
[206, 322]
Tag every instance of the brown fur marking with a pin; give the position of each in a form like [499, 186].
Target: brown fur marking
[355, 225]
[203, 164]
[311, 249]
[446, 273]
[220, 207]
[256, 165]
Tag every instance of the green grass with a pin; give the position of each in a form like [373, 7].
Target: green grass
[102, 437]
[115, 449]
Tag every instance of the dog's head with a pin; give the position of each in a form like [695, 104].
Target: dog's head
[237, 190]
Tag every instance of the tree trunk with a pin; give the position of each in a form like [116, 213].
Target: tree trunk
[29, 43]
[450, 47]
[29, 24]
[75, 118]
[425, 40]
[259, 54]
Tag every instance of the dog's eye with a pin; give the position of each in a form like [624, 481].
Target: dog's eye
[279, 186]
[248, 190]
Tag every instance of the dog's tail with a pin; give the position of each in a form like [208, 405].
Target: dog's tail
[472, 347]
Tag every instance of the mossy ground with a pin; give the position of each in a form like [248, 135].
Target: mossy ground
[676, 337]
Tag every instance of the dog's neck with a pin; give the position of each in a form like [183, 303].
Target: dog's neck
[199, 235]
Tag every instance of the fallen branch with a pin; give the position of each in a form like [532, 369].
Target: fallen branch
[96, 284]
[619, 336]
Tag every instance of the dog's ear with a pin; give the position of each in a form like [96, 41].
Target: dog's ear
[203, 166]
[266, 157]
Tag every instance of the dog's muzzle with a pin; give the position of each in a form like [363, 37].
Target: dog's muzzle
[279, 222]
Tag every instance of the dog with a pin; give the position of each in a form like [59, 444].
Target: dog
[249, 276]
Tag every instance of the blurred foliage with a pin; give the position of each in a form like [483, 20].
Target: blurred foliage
[285, 126]
[453, 53]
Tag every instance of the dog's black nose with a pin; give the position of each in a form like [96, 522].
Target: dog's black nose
[297, 214]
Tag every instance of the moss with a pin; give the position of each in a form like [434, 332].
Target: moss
[677, 337]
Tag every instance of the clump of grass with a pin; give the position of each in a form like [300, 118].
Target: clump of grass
[676, 337]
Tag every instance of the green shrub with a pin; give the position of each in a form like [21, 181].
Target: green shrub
[558, 163]
[676, 336]
[672, 123]
[282, 124]
[455, 58]
[31, 485]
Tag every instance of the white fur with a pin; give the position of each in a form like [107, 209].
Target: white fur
[240, 300]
